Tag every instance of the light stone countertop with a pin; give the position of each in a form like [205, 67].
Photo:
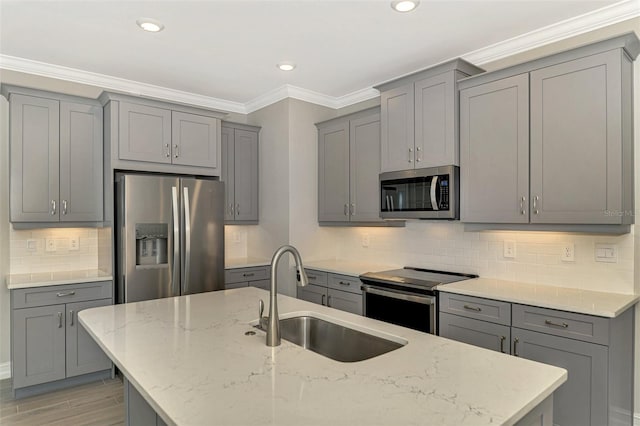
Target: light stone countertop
[245, 262]
[190, 359]
[42, 279]
[346, 267]
[562, 298]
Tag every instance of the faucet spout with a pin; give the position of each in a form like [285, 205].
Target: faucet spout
[273, 324]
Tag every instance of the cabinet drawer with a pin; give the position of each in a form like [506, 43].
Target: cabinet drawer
[566, 324]
[476, 307]
[316, 277]
[263, 284]
[246, 274]
[484, 334]
[345, 283]
[51, 295]
[229, 286]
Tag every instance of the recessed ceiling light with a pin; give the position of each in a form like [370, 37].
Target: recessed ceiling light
[404, 5]
[286, 66]
[150, 25]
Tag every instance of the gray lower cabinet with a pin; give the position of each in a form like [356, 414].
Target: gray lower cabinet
[48, 342]
[419, 125]
[597, 352]
[348, 168]
[56, 157]
[240, 173]
[138, 412]
[256, 276]
[333, 290]
[549, 142]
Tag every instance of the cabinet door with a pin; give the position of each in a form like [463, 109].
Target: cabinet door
[582, 399]
[344, 301]
[83, 353]
[494, 151]
[80, 163]
[246, 175]
[145, 133]
[576, 141]
[364, 159]
[475, 332]
[195, 140]
[435, 136]
[313, 293]
[228, 170]
[38, 345]
[34, 159]
[333, 173]
[397, 129]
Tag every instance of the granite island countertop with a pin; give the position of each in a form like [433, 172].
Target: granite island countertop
[190, 359]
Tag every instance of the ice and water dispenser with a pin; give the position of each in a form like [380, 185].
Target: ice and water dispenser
[151, 243]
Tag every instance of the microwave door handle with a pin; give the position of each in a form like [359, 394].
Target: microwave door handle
[434, 185]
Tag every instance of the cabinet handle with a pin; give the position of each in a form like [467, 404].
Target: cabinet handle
[522, 200]
[71, 317]
[311, 277]
[237, 208]
[248, 274]
[346, 209]
[410, 155]
[347, 283]
[502, 339]
[167, 150]
[515, 346]
[555, 324]
[535, 204]
[353, 209]
[329, 301]
[473, 308]
[231, 209]
[64, 207]
[418, 158]
[59, 319]
[177, 151]
[53, 207]
[65, 294]
[322, 301]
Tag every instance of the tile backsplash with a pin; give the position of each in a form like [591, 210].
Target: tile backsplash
[446, 246]
[25, 259]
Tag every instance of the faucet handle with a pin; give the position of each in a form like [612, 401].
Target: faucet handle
[260, 312]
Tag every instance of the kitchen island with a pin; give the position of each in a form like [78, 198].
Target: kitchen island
[191, 361]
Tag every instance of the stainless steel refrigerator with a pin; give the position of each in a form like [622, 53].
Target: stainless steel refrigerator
[169, 236]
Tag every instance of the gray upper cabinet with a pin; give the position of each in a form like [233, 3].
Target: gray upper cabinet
[494, 151]
[155, 136]
[240, 173]
[56, 157]
[145, 133]
[549, 142]
[348, 168]
[419, 117]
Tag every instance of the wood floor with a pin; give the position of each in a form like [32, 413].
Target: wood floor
[100, 403]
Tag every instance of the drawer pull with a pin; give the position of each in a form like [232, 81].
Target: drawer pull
[344, 283]
[248, 274]
[322, 301]
[515, 346]
[312, 277]
[59, 319]
[71, 317]
[502, 339]
[473, 308]
[555, 324]
[68, 293]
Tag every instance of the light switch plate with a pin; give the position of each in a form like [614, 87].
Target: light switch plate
[607, 253]
[509, 249]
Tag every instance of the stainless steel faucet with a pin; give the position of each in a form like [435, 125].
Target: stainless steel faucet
[273, 324]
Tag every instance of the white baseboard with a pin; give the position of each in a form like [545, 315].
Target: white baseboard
[636, 419]
[5, 370]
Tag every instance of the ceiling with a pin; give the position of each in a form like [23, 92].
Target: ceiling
[227, 51]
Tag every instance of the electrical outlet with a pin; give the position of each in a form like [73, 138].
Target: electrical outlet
[568, 253]
[50, 244]
[509, 249]
[365, 240]
[74, 243]
[32, 245]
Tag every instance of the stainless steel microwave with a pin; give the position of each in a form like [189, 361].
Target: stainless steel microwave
[430, 193]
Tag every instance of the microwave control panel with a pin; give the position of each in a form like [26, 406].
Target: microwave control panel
[443, 192]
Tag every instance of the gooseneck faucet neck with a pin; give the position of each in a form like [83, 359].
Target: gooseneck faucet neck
[273, 325]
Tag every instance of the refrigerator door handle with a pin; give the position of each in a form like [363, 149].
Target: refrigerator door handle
[175, 277]
[187, 240]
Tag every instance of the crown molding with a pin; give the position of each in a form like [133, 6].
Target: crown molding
[609, 15]
[591, 21]
[117, 84]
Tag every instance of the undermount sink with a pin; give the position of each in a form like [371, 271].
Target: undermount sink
[333, 340]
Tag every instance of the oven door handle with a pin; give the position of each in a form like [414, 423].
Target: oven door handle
[409, 297]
